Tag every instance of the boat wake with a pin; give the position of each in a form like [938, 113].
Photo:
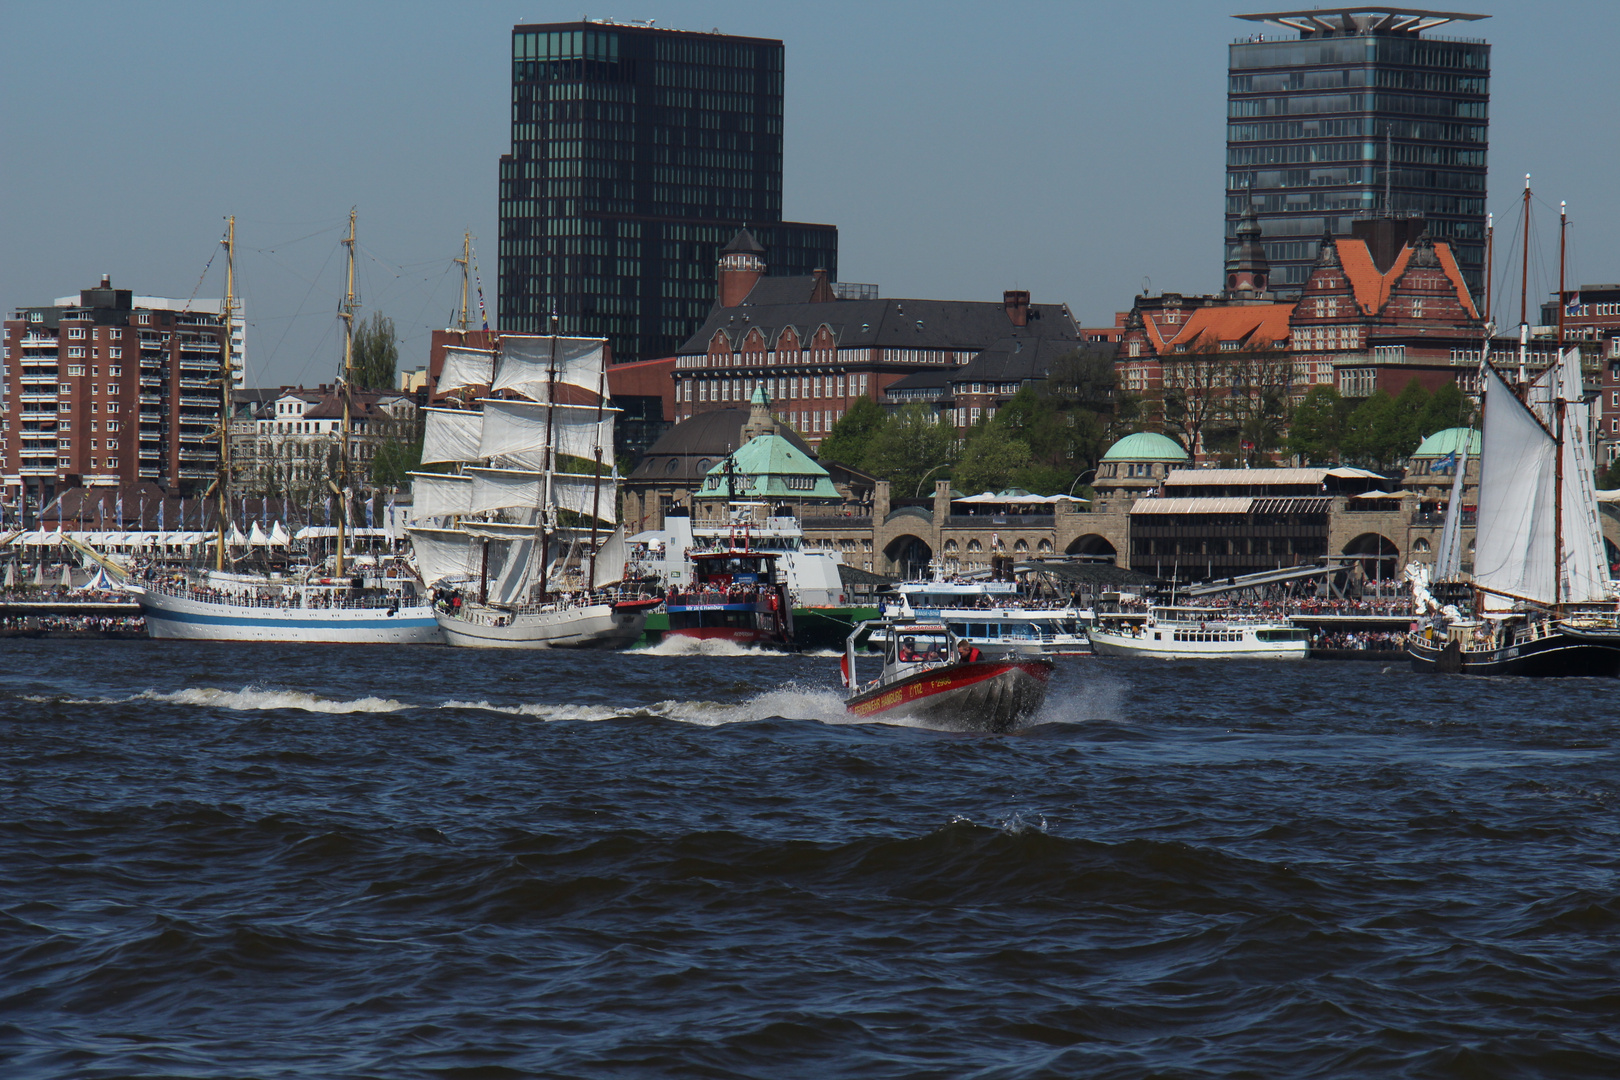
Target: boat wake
[678, 645]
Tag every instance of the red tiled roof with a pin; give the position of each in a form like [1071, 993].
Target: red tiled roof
[1372, 288]
[1250, 324]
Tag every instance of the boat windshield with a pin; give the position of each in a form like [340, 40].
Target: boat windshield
[918, 647]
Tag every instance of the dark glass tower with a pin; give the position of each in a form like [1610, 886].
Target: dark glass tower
[637, 153]
[1359, 115]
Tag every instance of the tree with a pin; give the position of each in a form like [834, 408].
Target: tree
[1448, 407]
[376, 353]
[1406, 423]
[1316, 428]
[991, 460]
[396, 457]
[910, 444]
[851, 436]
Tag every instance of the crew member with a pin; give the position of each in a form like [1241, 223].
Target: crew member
[966, 653]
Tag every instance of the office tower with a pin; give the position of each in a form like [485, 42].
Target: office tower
[637, 153]
[1355, 115]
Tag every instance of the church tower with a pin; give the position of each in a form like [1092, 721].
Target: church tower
[1248, 272]
[742, 264]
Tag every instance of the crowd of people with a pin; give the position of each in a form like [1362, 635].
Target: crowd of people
[88, 625]
[734, 594]
[1380, 640]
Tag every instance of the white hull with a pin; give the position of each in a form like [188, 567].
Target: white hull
[1195, 643]
[597, 626]
[190, 619]
[1025, 631]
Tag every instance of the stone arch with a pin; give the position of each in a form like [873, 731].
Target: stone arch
[1378, 556]
[950, 547]
[1092, 546]
[974, 546]
[909, 555]
[1420, 546]
[1044, 547]
[1020, 547]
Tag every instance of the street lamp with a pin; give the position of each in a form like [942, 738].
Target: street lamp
[1079, 478]
[918, 493]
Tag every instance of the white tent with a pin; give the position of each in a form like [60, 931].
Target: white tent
[256, 537]
[67, 574]
[99, 582]
[278, 536]
[39, 572]
[11, 574]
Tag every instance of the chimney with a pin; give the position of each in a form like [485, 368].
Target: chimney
[820, 288]
[1016, 301]
[106, 281]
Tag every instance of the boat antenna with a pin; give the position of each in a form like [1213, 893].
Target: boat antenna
[346, 313]
[223, 479]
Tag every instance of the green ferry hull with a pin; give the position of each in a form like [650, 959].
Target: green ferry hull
[813, 627]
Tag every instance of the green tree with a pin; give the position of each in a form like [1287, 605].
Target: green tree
[1405, 429]
[1365, 427]
[1316, 427]
[851, 436]
[1448, 407]
[397, 456]
[376, 353]
[991, 459]
[908, 446]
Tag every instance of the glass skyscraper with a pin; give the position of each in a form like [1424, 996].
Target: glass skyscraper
[637, 153]
[1357, 113]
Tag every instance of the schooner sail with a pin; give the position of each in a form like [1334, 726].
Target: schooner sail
[501, 534]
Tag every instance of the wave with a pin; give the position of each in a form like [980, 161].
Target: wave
[679, 645]
[249, 698]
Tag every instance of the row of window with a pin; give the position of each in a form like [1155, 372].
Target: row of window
[791, 387]
[1360, 127]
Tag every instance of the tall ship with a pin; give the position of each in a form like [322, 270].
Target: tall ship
[520, 542]
[1542, 602]
[332, 603]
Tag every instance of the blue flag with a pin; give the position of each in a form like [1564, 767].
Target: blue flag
[1445, 464]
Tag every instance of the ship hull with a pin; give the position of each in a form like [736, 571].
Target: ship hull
[596, 626]
[1566, 653]
[988, 695]
[182, 618]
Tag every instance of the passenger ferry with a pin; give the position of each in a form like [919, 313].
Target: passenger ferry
[989, 615]
[1194, 633]
[736, 595]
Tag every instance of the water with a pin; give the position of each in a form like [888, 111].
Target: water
[298, 861]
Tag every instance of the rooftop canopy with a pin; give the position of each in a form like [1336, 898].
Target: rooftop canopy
[1449, 441]
[1146, 446]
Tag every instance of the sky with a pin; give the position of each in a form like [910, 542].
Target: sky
[1074, 149]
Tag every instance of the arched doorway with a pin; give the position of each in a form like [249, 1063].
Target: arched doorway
[1378, 556]
[909, 556]
[1093, 548]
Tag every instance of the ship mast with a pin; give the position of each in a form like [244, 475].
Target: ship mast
[1558, 404]
[550, 463]
[346, 313]
[222, 480]
[1524, 287]
[464, 262]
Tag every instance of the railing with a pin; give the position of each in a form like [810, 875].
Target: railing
[1000, 521]
[283, 601]
[861, 522]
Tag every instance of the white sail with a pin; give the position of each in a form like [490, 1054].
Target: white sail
[1585, 559]
[450, 435]
[527, 362]
[434, 495]
[510, 569]
[610, 560]
[1448, 560]
[464, 368]
[521, 427]
[498, 489]
[1516, 549]
[442, 554]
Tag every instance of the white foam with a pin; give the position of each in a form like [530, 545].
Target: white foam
[252, 698]
[680, 645]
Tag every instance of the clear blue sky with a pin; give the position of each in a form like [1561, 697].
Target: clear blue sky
[1072, 149]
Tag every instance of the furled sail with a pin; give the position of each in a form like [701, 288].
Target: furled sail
[1516, 549]
[521, 427]
[527, 361]
[1448, 560]
[450, 435]
[464, 368]
[434, 495]
[442, 554]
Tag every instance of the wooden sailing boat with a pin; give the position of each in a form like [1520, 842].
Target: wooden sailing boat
[502, 550]
[1542, 602]
[313, 605]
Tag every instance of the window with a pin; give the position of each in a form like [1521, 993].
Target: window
[64, 406]
[115, 354]
[112, 388]
[112, 463]
[144, 319]
[112, 425]
[93, 405]
[75, 333]
[112, 444]
[75, 369]
[115, 371]
[64, 463]
[112, 406]
[76, 352]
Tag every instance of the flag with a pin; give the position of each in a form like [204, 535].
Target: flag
[370, 513]
[1572, 306]
[101, 515]
[160, 514]
[329, 509]
[393, 527]
[843, 670]
[118, 512]
[1445, 464]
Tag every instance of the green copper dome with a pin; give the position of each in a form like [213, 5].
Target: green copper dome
[1146, 446]
[1449, 441]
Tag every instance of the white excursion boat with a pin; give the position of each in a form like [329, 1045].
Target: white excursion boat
[991, 615]
[929, 673]
[317, 605]
[1191, 633]
[524, 548]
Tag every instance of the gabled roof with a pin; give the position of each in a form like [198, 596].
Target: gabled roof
[1251, 325]
[1019, 359]
[761, 468]
[1372, 288]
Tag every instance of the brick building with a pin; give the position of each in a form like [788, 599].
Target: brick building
[104, 392]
